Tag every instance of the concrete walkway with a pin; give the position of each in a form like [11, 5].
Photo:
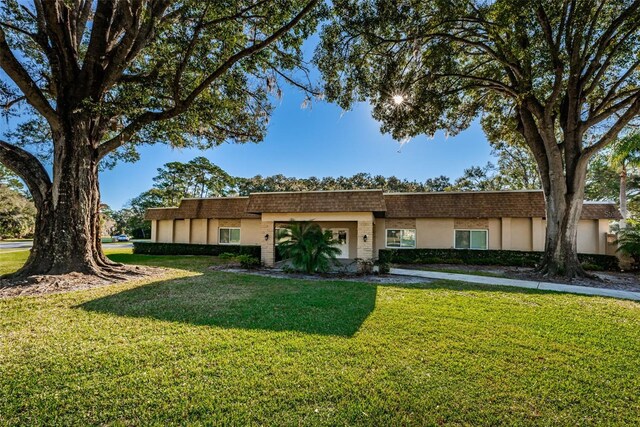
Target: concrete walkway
[529, 284]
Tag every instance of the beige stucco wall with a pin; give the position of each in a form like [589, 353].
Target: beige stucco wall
[521, 239]
[588, 236]
[524, 234]
[495, 233]
[154, 231]
[251, 232]
[434, 233]
[213, 231]
[181, 230]
[165, 231]
[378, 235]
[199, 231]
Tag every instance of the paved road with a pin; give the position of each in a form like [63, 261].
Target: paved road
[28, 243]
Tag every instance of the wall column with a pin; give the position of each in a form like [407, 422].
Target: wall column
[188, 227]
[365, 249]
[537, 234]
[267, 247]
[154, 230]
[506, 234]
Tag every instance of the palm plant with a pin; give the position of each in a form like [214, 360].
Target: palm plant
[309, 248]
[629, 243]
[624, 156]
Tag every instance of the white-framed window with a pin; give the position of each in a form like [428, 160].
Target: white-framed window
[471, 239]
[400, 238]
[229, 236]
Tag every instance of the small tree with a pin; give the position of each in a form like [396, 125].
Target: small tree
[309, 248]
[624, 156]
[629, 243]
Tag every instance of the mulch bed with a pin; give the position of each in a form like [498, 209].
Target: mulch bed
[45, 284]
[624, 281]
[349, 277]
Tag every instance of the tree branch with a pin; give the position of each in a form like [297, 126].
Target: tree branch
[27, 167]
[152, 116]
[614, 130]
[21, 78]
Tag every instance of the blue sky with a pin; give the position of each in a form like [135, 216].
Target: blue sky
[317, 141]
[321, 140]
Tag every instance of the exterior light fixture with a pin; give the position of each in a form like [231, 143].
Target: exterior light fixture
[266, 237]
[365, 237]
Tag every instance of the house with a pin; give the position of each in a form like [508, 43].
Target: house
[365, 221]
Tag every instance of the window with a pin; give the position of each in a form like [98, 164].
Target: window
[401, 238]
[471, 239]
[229, 236]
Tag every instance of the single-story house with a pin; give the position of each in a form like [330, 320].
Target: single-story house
[365, 221]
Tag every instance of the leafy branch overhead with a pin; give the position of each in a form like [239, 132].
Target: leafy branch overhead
[187, 73]
[561, 77]
[88, 81]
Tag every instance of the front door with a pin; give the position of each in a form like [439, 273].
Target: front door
[342, 236]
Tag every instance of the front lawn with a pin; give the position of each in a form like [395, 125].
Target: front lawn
[206, 347]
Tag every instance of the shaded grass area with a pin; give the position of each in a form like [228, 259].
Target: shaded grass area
[205, 347]
[457, 271]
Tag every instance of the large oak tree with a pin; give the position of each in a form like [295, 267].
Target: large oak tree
[561, 76]
[97, 78]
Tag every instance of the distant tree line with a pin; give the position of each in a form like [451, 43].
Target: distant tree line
[513, 170]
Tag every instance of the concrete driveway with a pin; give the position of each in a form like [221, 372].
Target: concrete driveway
[26, 244]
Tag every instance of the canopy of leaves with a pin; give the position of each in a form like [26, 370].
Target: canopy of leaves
[431, 65]
[186, 73]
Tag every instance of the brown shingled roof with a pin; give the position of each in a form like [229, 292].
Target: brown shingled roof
[218, 207]
[161, 213]
[318, 201]
[508, 204]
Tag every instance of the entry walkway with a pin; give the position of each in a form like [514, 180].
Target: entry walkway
[530, 284]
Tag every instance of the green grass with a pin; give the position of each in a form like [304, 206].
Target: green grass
[460, 271]
[211, 348]
[11, 260]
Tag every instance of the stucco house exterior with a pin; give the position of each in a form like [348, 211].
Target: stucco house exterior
[365, 221]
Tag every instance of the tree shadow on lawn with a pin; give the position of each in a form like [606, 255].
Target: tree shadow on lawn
[249, 302]
[246, 301]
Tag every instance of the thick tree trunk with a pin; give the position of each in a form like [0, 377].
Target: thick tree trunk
[564, 188]
[67, 235]
[561, 249]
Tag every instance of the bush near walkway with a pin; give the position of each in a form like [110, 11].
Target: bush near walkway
[487, 257]
[152, 248]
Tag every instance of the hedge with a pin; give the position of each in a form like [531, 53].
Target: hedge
[487, 257]
[147, 248]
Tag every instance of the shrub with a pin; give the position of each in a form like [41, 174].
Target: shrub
[147, 248]
[384, 267]
[309, 248]
[249, 262]
[629, 244]
[486, 257]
